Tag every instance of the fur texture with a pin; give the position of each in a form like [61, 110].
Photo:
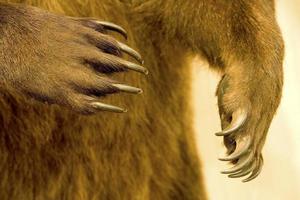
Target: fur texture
[51, 152]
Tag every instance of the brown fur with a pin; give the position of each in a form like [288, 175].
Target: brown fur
[52, 152]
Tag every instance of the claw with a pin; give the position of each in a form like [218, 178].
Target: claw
[238, 119]
[256, 171]
[247, 170]
[136, 67]
[113, 27]
[243, 144]
[129, 89]
[244, 161]
[240, 174]
[131, 52]
[106, 107]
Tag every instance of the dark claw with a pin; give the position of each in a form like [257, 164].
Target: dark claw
[242, 146]
[129, 89]
[238, 119]
[131, 52]
[240, 164]
[256, 171]
[113, 27]
[106, 107]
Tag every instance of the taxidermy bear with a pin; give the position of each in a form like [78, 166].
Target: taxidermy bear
[71, 126]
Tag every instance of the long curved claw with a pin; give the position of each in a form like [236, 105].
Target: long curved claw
[243, 144]
[256, 171]
[131, 52]
[241, 174]
[243, 162]
[127, 88]
[113, 27]
[135, 67]
[247, 170]
[238, 119]
[106, 107]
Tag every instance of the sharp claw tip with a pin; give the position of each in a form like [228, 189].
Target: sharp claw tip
[113, 27]
[222, 159]
[129, 89]
[107, 107]
[229, 158]
[219, 134]
[121, 111]
[245, 181]
[223, 172]
[140, 60]
[124, 34]
[146, 72]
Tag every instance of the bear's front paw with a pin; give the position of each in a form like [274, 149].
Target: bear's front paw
[64, 60]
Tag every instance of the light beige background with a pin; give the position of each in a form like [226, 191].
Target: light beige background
[280, 178]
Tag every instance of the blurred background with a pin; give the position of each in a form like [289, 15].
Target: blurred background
[280, 178]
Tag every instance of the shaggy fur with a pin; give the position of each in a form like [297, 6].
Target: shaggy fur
[51, 152]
